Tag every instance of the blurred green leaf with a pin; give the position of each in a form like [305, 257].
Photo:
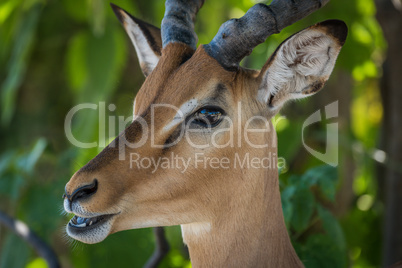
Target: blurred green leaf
[98, 16]
[326, 177]
[37, 263]
[44, 200]
[132, 248]
[320, 251]
[303, 208]
[76, 69]
[6, 8]
[287, 205]
[287, 208]
[5, 161]
[76, 9]
[23, 41]
[17, 184]
[94, 64]
[14, 252]
[332, 228]
[14, 168]
[28, 161]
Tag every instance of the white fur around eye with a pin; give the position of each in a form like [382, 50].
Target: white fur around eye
[184, 110]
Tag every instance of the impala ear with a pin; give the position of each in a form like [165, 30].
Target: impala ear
[145, 37]
[302, 64]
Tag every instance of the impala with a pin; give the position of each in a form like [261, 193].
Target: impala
[231, 216]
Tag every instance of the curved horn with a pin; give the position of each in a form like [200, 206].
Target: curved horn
[178, 22]
[237, 38]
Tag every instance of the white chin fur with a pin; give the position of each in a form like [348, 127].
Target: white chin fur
[88, 235]
[91, 236]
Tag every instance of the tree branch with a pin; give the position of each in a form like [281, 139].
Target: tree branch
[161, 248]
[23, 231]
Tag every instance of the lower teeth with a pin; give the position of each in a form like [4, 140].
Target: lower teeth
[85, 222]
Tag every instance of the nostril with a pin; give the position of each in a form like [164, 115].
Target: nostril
[85, 191]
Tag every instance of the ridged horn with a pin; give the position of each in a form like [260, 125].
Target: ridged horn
[178, 22]
[237, 38]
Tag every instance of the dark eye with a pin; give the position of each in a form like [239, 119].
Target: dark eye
[208, 116]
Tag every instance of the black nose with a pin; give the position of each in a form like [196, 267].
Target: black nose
[83, 192]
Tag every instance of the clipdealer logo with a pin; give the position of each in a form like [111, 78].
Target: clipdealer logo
[329, 156]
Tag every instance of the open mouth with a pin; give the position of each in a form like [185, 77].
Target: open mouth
[80, 223]
[90, 230]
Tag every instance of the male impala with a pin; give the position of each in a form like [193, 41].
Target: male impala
[231, 216]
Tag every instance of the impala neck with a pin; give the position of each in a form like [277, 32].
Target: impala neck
[250, 232]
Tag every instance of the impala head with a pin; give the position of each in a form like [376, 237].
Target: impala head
[216, 100]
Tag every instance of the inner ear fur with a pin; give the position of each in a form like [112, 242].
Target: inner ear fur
[302, 63]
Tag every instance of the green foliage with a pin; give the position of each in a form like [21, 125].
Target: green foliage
[316, 234]
[17, 167]
[57, 54]
[118, 250]
[16, 67]
[37, 263]
[15, 253]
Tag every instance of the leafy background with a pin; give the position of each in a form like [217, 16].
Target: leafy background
[57, 54]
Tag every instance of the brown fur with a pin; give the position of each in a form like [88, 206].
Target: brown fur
[230, 218]
[244, 208]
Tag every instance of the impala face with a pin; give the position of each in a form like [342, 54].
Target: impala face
[212, 94]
